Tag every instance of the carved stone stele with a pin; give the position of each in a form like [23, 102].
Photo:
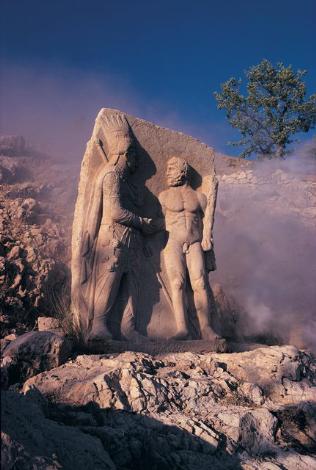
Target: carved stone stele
[138, 194]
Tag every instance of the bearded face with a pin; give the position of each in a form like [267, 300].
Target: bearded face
[177, 170]
[122, 152]
[120, 142]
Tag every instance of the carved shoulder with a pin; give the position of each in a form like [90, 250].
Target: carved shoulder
[162, 197]
[111, 183]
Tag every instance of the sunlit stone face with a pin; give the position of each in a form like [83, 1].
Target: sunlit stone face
[176, 171]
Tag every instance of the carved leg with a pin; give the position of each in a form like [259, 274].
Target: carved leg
[176, 272]
[198, 278]
[106, 291]
[178, 301]
[129, 318]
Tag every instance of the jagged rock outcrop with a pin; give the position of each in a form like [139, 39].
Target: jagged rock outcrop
[31, 353]
[243, 410]
[36, 201]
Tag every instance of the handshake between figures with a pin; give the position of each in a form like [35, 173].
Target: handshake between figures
[150, 226]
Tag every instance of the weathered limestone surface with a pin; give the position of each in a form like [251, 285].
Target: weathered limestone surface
[32, 353]
[48, 324]
[248, 410]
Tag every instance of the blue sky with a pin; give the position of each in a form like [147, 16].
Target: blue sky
[62, 60]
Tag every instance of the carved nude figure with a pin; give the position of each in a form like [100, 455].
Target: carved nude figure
[188, 240]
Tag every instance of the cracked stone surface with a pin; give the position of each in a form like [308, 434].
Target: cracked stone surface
[32, 353]
[245, 410]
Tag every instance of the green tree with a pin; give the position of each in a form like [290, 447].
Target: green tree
[274, 108]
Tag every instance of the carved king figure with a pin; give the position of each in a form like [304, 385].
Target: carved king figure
[112, 241]
[189, 239]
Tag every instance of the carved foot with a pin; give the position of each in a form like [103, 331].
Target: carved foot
[100, 333]
[137, 338]
[209, 334]
[181, 335]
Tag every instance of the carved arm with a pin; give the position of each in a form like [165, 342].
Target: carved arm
[209, 213]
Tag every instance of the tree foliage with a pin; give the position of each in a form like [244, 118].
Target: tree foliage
[274, 108]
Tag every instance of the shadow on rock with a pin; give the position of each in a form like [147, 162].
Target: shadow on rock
[297, 427]
[87, 437]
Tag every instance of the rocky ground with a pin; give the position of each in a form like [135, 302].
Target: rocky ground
[250, 410]
[62, 408]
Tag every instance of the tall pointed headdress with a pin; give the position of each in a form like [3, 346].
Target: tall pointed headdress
[117, 133]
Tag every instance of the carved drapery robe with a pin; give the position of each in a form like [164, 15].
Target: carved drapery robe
[111, 240]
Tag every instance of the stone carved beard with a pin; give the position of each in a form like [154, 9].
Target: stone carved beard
[125, 162]
[177, 172]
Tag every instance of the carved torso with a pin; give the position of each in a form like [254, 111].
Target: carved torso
[184, 209]
[119, 222]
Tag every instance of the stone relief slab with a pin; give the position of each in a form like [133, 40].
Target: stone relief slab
[126, 161]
